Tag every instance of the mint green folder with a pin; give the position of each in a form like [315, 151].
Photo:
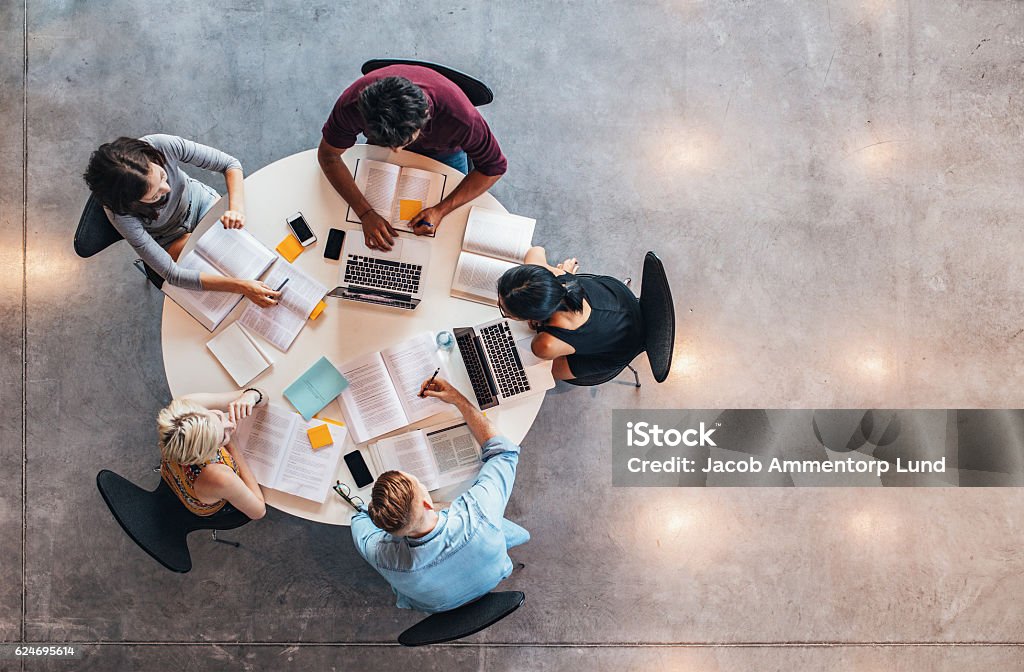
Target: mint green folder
[316, 388]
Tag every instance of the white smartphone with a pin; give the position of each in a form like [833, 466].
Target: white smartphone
[297, 223]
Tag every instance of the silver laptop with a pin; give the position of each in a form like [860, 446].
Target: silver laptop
[500, 364]
[394, 278]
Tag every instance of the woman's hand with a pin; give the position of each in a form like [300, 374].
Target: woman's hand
[570, 265]
[259, 293]
[233, 219]
[242, 406]
[534, 324]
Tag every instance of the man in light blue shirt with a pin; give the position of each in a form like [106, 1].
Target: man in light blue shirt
[436, 561]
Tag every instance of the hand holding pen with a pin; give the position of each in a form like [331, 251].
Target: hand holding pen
[430, 382]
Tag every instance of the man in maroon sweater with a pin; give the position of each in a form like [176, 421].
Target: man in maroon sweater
[415, 108]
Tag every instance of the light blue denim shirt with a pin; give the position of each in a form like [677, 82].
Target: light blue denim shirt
[464, 556]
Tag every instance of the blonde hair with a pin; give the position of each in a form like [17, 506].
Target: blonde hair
[187, 433]
[391, 502]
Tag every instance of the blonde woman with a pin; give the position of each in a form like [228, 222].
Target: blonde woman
[199, 463]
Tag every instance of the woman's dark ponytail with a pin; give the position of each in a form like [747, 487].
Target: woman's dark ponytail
[572, 298]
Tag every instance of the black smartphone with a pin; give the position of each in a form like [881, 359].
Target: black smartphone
[297, 223]
[335, 237]
[357, 467]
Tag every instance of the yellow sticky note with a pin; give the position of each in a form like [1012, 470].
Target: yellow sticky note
[407, 209]
[289, 248]
[317, 310]
[319, 436]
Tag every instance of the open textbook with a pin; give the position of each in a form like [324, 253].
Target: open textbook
[384, 388]
[235, 253]
[280, 324]
[494, 242]
[274, 442]
[397, 193]
[440, 455]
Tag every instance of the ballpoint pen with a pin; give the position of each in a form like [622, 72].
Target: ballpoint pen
[436, 371]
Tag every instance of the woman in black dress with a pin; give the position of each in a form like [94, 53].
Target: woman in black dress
[589, 325]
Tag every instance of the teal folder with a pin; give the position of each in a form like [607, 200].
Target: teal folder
[316, 388]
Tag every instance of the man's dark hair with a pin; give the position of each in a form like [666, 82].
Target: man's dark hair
[394, 109]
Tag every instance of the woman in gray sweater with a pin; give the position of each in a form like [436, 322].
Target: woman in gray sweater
[155, 205]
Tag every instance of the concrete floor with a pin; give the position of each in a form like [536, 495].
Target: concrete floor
[835, 187]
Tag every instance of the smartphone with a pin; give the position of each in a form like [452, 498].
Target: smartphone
[297, 223]
[357, 467]
[335, 237]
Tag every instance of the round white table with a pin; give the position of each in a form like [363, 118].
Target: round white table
[346, 329]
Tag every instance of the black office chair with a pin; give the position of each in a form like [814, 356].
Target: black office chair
[95, 233]
[478, 93]
[158, 522]
[463, 621]
[659, 326]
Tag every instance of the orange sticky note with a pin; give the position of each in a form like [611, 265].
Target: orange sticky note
[319, 436]
[317, 310]
[289, 248]
[407, 209]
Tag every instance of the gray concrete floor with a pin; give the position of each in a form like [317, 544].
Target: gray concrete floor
[835, 186]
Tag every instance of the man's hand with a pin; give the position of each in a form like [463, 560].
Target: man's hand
[443, 390]
[427, 221]
[377, 232]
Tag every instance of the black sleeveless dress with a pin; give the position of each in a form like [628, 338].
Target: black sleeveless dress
[613, 334]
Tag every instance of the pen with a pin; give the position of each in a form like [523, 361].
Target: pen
[282, 285]
[436, 371]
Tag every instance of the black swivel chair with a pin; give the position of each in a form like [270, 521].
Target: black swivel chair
[158, 522]
[464, 621]
[659, 326]
[95, 233]
[478, 93]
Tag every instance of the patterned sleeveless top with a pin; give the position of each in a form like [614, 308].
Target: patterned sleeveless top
[182, 478]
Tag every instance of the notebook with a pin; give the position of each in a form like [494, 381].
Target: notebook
[239, 354]
[397, 193]
[316, 388]
[384, 387]
[233, 253]
[277, 449]
[494, 242]
[280, 324]
[440, 455]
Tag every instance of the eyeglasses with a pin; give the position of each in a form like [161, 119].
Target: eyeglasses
[501, 309]
[345, 492]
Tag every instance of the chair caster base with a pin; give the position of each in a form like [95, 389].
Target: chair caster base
[636, 376]
[224, 541]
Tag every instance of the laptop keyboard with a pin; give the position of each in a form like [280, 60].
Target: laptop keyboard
[393, 276]
[475, 369]
[507, 367]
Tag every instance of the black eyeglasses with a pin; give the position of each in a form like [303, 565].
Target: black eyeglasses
[501, 309]
[345, 492]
